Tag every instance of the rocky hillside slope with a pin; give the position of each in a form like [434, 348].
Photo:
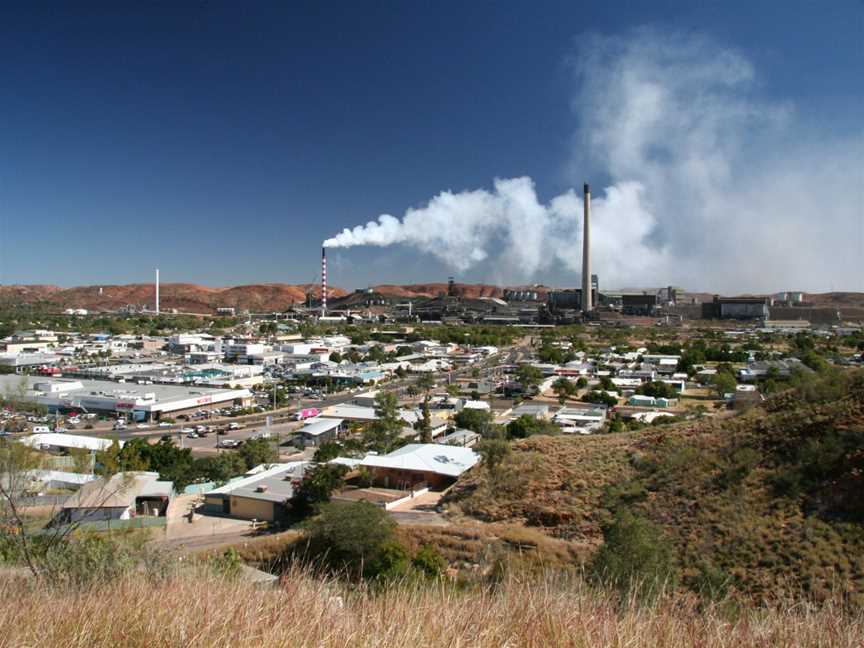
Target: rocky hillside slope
[770, 501]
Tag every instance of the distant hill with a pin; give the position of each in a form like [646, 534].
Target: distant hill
[769, 501]
[188, 298]
[194, 298]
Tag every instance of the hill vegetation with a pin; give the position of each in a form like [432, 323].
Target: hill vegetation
[312, 611]
[764, 504]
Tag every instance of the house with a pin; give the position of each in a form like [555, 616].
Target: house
[638, 400]
[121, 497]
[261, 494]
[581, 419]
[472, 404]
[47, 440]
[436, 465]
[357, 413]
[319, 430]
[537, 411]
[642, 401]
[464, 438]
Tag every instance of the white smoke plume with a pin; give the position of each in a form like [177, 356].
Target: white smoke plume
[711, 188]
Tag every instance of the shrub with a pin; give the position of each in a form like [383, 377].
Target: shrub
[527, 425]
[317, 486]
[635, 556]
[600, 398]
[429, 562]
[327, 451]
[493, 452]
[475, 420]
[354, 538]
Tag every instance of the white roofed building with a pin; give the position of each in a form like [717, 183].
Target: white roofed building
[436, 465]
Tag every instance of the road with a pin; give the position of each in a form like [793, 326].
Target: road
[281, 418]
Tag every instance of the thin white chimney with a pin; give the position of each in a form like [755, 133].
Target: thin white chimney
[157, 291]
[323, 281]
[587, 305]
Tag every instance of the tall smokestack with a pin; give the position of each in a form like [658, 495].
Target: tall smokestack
[323, 280]
[587, 305]
[157, 291]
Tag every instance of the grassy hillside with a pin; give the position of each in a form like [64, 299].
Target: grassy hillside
[768, 503]
[307, 611]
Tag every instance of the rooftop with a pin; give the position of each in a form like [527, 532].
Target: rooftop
[451, 461]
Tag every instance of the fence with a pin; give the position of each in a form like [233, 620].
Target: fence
[199, 489]
[110, 525]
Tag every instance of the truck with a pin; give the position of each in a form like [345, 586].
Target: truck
[308, 412]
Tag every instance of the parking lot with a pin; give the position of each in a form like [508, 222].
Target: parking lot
[212, 442]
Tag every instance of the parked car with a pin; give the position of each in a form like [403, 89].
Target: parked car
[234, 426]
[164, 424]
[186, 430]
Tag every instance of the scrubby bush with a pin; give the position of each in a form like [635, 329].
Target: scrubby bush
[356, 539]
[429, 562]
[316, 487]
[635, 556]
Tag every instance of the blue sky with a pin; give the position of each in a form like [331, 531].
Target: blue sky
[223, 142]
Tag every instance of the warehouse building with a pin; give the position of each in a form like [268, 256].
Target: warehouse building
[262, 494]
[148, 402]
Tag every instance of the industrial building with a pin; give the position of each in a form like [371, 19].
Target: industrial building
[639, 304]
[319, 430]
[139, 402]
[121, 497]
[742, 308]
[261, 494]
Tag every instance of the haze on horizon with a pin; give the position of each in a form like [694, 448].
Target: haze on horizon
[224, 146]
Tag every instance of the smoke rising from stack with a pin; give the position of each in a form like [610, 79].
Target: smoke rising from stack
[586, 249]
[710, 185]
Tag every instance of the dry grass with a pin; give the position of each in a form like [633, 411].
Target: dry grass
[304, 611]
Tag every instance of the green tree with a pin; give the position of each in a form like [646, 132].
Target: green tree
[255, 452]
[529, 377]
[526, 426]
[635, 556]
[108, 460]
[327, 451]
[426, 422]
[724, 383]
[172, 463]
[657, 389]
[476, 420]
[220, 468]
[426, 382]
[429, 562]
[316, 487]
[493, 452]
[355, 538]
[336, 357]
[382, 434]
[600, 398]
[563, 388]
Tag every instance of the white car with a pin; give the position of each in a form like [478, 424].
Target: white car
[164, 424]
[142, 426]
[187, 430]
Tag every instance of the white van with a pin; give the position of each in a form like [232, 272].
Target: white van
[41, 429]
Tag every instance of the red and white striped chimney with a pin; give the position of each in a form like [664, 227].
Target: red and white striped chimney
[323, 280]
